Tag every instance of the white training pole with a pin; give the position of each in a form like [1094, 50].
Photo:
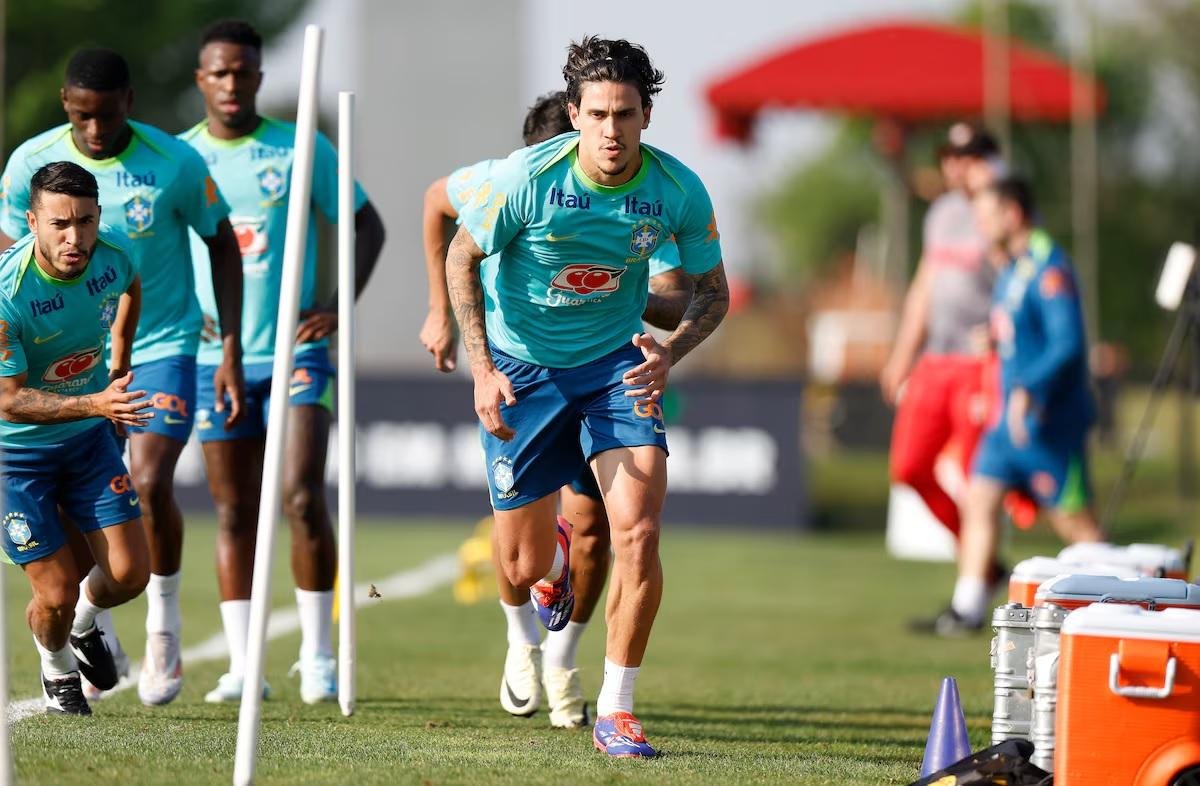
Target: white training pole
[347, 471]
[299, 197]
[6, 770]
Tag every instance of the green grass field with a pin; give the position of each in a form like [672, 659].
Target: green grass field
[777, 658]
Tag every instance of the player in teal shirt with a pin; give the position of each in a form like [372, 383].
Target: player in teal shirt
[63, 289]
[251, 158]
[573, 222]
[152, 189]
[581, 501]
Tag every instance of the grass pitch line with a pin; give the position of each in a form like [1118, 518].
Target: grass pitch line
[415, 582]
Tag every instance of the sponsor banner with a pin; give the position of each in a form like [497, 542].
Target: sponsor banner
[735, 453]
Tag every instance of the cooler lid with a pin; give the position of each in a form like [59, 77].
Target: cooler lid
[1118, 620]
[1146, 557]
[1039, 569]
[1095, 588]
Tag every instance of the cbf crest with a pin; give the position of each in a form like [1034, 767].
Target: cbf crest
[644, 240]
[108, 311]
[272, 183]
[17, 528]
[139, 213]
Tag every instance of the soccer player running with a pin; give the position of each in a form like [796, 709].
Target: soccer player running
[531, 664]
[572, 222]
[251, 157]
[152, 189]
[1039, 443]
[64, 287]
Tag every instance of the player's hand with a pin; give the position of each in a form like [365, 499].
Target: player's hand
[891, 381]
[120, 404]
[316, 324]
[649, 379]
[228, 382]
[439, 336]
[1018, 409]
[211, 332]
[492, 388]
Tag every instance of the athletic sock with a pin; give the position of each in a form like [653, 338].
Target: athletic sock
[558, 652]
[162, 604]
[616, 693]
[522, 624]
[235, 619]
[104, 622]
[56, 664]
[970, 599]
[560, 555]
[85, 610]
[316, 622]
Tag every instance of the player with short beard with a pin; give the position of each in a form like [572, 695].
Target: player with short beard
[573, 222]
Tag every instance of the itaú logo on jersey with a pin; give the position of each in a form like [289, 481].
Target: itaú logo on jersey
[71, 366]
[251, 234]
[584, 279]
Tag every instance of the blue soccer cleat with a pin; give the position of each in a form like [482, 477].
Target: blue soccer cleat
[620, 735]
[554, 602]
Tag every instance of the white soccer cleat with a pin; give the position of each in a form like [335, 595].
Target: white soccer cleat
[318, 678]
[521, 684]
[92, 693]
[564, 697]
[229, 689]
[161, 677]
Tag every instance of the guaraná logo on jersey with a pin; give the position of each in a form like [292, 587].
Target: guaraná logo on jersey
[251, 234]
[272, 183]
[645, 240]
[73, 365]
[584, 278]
[139, 213]
[108, 310]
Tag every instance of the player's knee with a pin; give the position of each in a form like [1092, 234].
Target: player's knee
[523, 569]
[131, 576]
[235, 517]
[590, 545]
[303, 504]
[638, 541]
[154, 487]
[56, 600]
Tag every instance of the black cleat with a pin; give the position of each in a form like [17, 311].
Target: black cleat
[948, 625]
[95, 660]
[64, 696]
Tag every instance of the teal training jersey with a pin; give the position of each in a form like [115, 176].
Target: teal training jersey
[150, 194]
[571, 270]
[254, 174]
[55, 331]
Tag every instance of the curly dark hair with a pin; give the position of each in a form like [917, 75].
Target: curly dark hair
[547, 118]
[596, 59]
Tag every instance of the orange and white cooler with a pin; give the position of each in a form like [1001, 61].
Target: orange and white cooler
[1148, 559]
[1076, 591]
[1129, 697]
[1027, 575]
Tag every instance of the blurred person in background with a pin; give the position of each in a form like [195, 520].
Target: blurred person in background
[532, 665]
[1038, 442]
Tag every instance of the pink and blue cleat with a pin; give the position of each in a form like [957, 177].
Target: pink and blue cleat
[555, 602]
[620, 735]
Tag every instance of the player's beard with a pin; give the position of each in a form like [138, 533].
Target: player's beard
[57, 262]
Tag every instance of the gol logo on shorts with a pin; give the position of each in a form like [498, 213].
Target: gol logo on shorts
[169, 402]
[648, 409]
[121, 484]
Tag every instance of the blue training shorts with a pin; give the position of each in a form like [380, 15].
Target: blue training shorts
[563, 417]
[1052, 467]
[312, 384]
[586, 484]
[85, 475]
[170, 384]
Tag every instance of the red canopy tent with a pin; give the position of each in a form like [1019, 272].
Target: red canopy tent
[904, 71]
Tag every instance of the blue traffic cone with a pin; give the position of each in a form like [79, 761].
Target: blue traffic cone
[948, 741]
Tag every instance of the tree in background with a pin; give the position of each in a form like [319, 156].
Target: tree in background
[159, 39]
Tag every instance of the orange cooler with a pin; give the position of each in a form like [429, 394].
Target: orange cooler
[1076, 591]
[1129, 697]
[1029, 574]
[1149, 559]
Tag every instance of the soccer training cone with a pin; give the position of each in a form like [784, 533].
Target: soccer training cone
[947, 732]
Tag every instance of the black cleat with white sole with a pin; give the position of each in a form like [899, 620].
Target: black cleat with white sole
[64, 696]
[96, 662]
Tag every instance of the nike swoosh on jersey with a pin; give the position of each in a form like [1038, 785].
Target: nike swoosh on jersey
[519, 703]
[553, 238]
[40, 340]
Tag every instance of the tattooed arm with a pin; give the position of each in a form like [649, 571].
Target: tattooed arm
[710, 301]
[466, 296]
[20, 404]
[670, 293]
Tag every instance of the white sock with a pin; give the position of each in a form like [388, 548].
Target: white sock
[970, 599]
[522, 624]
[316, 622]
[56, 664]
[162, 604]
[558, 652]
[560, 558]
[104, 622]
[235, 618]
[616, 693]
[85, 610]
